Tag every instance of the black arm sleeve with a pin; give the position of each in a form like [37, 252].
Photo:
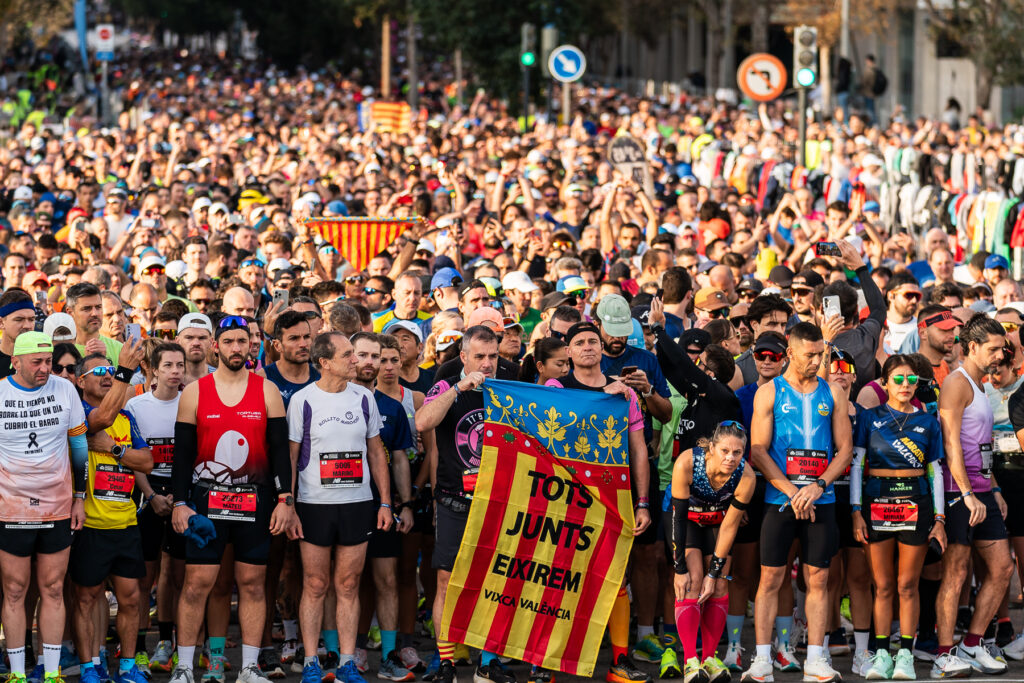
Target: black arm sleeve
[277, 449]
[872, 295]
[186, 447]
[680, 508]
[679, 370]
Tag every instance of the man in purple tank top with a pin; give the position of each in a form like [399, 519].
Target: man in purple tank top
[975, 508]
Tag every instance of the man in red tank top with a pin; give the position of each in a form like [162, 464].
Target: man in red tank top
[230, 462]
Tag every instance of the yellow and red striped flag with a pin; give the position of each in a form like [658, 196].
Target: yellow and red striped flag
[394, 117]
[549, 530]
[360, 239]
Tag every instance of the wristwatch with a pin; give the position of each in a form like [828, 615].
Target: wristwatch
[287, 499]
[822, 483]
[118, 451]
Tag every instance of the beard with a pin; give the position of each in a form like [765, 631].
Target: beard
[233, 363]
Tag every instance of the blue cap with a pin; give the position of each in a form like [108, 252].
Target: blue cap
[570, 283]
[871, 207]
[337, 208]
[997, 261]
[445, 277]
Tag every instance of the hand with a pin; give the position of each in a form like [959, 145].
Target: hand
[405, 521]
[850, 256]
[77, 514]
[162, 505]
[707, 589]
[101, 442]
[95, 346]
[977, 509]
[860, 528]
[643, 520]
[1001, 503]
[657, 314]
[637, 381]
[681, 584]
[938, 532]
[179, 518]
[283, 519]
[130, 355]
[273, 313]
[384, 518]
[803, 501]
[616, 387]
[471, 381]
[832, 327]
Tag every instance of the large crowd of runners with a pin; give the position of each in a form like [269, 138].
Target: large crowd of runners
[204, 402]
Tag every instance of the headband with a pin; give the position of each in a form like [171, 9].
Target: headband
[15, 306]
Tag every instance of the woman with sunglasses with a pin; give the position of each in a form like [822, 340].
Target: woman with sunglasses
[711, 488]
[65, 358]
[901, 501]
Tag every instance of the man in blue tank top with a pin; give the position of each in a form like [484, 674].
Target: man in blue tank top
[801, 443]
[293, 338]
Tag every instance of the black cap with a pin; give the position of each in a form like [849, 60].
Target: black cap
[554, 299]
[750, 284]
[781, 276]
[641, 314]
[769, 342]
[580, 328]
[694, 337]
[807, 278]
[470, 286]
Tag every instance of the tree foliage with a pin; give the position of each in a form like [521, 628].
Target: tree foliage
[38, 19]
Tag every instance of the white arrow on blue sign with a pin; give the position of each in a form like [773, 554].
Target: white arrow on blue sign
[566, 63]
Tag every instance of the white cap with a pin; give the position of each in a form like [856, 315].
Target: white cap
[57, 320]
[219, 206]
[278, 264]
[871, 160]
[407, 325]
[197, 320]
[311, 198]
[426, 245]
[519, 281]
[151, 261]
[23, 194]
[176, 269]
[201, 203]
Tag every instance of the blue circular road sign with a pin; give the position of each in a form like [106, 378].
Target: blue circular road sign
[566, 63]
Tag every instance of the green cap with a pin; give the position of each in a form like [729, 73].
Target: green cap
[614, 314]
[32, 342]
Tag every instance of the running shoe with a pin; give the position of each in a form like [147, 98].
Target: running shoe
[493, 673]
[760, 671]
[820, 671]
[903, 666]
[980, 659]
[462, 656]
[37, 674]
[693, 672]
[133, 675]
[734, 657]
[539, 675]
[411, 660]
[270, 664]
[624, 670]
[312, 673]
[288, 650]
[717, 671]
[1015, 648]
[881, 666]
[53, 678]
[298, 660]
[949, 665]
[648, 649]
[87, 676]
[926, 648]
[142, 661]
[181, 674]
[391, 669]
[349, 673]
[362, 666]
[252, 674]
[69, 664]
[432, 668]
[445, 672]
[837, 643]
[331, 661]
[785, 658]
[214, 671]
[373, 638]
[668, 667]
[996, 652]
[861, 662]
[101, 669]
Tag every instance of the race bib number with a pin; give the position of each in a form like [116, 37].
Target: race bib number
[705, 515]
[1005, 442]
[894, 516]
[113, 483]
[232, 503]
[162, 449]
[805, 466]
[469, 480]
[15, 526]
[986, 460]
[341, 470]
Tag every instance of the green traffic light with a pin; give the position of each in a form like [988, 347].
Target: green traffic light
[805, 77]
[527, 58]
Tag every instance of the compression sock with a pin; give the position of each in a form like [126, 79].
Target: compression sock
[688, 623]
[970, 640]
[125, 664]
[446, 650]
[186, 655]
[217, 647]
[140, 640]
[250, 655]
[331, 641]
[712, 622]
[734, 626]
[486, 658]
[387, 642]
[16, 656]
[860, 640]
[907, 643]
[881, 643]
[88, 665]
[51, 659]
[166, 629]
[783, 625]
[618, 625]
[928, 589]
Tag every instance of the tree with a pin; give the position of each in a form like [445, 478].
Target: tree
[41, 18]
[992, 35]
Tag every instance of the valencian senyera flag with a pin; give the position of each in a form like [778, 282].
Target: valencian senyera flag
[549, 529]
[360, 239]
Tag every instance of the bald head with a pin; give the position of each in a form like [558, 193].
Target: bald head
[1005, 291]
[144, 295]
[721, 278]
[239, 301]
[935, 238]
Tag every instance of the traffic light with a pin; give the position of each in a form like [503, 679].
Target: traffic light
[805, 56]
[528, 45]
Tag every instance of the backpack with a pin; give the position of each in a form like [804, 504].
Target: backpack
[880, 84]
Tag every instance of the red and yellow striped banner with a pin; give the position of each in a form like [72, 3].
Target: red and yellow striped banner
[393, 117]
[549, 531]
[360, 239]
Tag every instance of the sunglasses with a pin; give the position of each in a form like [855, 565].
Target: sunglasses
[911, 296]
[311, 315]
[748, 294]
[559, 244]
[731, 423]
[556, 334]
[1010, 327]
[202, 302]
[842, 366]
[371, 290]
[61, 369]
[908, 379]
[153, 270]
[773, 356]
[454, 335]
[100, 371]
[230, 321]
[253, 262]
[718, 313]
[164, 334]
[355, 279]
[70, 262]
[800, 291]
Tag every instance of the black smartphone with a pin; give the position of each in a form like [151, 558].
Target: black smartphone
[628, 370]
[827, 249]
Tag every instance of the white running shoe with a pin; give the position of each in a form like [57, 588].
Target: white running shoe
[733, 658]
[980, 659]
[820, 671]
[861, 659]
[1015, 648]
[949, 665]
[760, 671]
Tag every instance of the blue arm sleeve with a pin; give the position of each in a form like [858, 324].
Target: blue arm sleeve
[79, 460]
